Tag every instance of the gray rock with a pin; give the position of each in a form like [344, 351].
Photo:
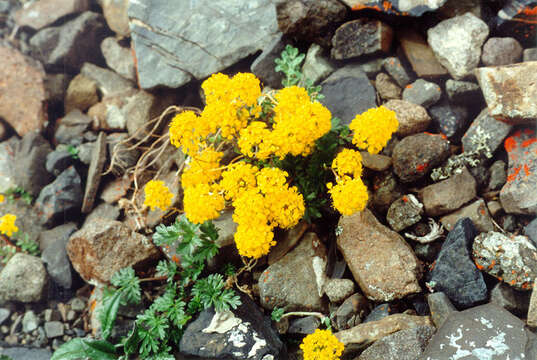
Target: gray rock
[463, 92]
[56, 87]
[531, 230]
[476, 211]
[125, 157]
[495, 208]
[457, 42]
[348, 92]
[379, 312]
[140, 108]
[58, 161]
[371, 67]
[51, 315]
[55, 255]
[529, 54]
[84, 152]
[375, 162]
[103, 211]
[486, 330]
[412, 118]
[108, 82]
[338, 290]
[48, 237]
[7, 158]
[386, 88]
[361, 37]
[115, 13]
[77, 304]
[422, 93]
[24, 353]
[54, 329]
[397, 71]
[72, 127]
[98, 158]
[263, 65]
[450, 119]
[498, 175]
[43, 13]
[30, 321]
[118, 58]
[23, 279]
[485, 132]
[404, 212]
[440, 307]
[221, 34]
[351, 312]
[514, 301]
[316, 67]
[5, 313]
[501, 51]
[304, 326]
[29, 170]
[386, 190]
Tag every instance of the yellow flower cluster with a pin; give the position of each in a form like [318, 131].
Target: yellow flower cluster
[7, 224]
[202, 202]
[204, 168]
[349, 195]
[157, 195]
[322, 345]
[373, 129]
[348, 162]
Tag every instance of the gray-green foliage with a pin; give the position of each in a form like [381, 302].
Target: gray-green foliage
[289, 64]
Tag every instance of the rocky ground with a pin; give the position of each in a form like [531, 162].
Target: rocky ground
[442, 263]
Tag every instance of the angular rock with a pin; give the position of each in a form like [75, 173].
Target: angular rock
[22, 104]
[422, 93]
[316, 67]
[286, 243]
[221, 34]
[351, 312]
[404, 212]
[108, 82]
[440, 307]
[115, 13]
[58, 161]
[115, 190]
[485, 131]
[142, 107]
[501, 51]
[68, 46]
[386, 190]
[512, 300]
[412, 118]
[498, 176]
[375, 162]
[450, 119]
[295, 281]
[486, 330]
[454, 272]
[397, 71]
[375, 254]
[118, 58]
[529, 54]
[29, 170]
[81, 94]
[54, 329]
[386, 88]
[45, 12]
[463, 92]
[512, 260]
[348, 92]
[61, 197]
[415, 155]
[532, 310]
[412, 7]
[476, 211]
[55, 255]
[531, 230]
[103, 247]
[95, 170]
[338, 290]
[361, 37]
[30, 322]
[457, 42]
[23, 279]
[72, 127]
[419, 54]
[125, 158]
[104, 211]
[518, 195]
[509, 91]
[304, 326]
[56, 87]
[380, 312]
[263, 65]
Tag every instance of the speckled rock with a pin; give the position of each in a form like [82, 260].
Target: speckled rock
[361, 37]
[485, 131]
[412, 118]
[422, 92]
[380, 312]
[476, 211]
[511, 259]
[397, 71]
[386, 87]
[404, 212]
[316, 67]
[498, 175]
[24, 279]
[501, 51]
[351, 312]
[386, 189]
[440, 307]
[338, 290]
[450, 119]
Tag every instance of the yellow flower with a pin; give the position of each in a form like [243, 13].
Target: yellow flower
[250, 139]
[254, 240]
[238, 178]
[2, 198]
[271, 179]
[226, 117]
[201, 203]
[322, 345]
[286, 207]
[373, 129]
[203, 168]
[187, 131]
[349, 195]
[157, 195]
[7, 224]
[348, 162]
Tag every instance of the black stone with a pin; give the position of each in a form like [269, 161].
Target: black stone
[451, 120]
[379, 312]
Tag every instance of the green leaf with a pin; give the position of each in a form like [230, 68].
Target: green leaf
[166, 235]
[277, 314]
[5, 357]
[108, 313]
[83, 348]
[130, 343]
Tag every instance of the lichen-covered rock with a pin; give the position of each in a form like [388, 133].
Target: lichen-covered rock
[476, 211]
[24, 279]
[412, 118]
[361, 37]
[404, 212]
[422, 92]
[408, 7]
[485, 134]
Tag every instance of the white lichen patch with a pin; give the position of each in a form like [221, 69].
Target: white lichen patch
[319, 268]
[222, 322]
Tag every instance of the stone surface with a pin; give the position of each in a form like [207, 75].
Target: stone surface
[71, 128]
[54, 329]
[115, 13]
[529, 54]
[375, 254]
[45, 12]
[30, 321]
[102, 247]
[58, 161]
[263, 65]
[142, 107]
[361, 37]
[56, 86]
[95, 170]
[375, 162]
[498, 175]
[379, 312]
[501, 51]
[351, 312]
[386, 189]
[108, 82]
[213, 37]
[487, 131]
[24, 353]
[415, 155]
[23, 279]
[512, 300]
[512, 259]
[397, 71]
[118, 58]
[54, 254]
[60, 198]
[406, 344]
[531, 230]
[412, 118]
[316, 66]
[411, 7]
[419, 54]
[386, 87]
[532, 310]
[338, 290]
[457, 42]
[7, 156]
[22, 104]
[404, 212]
[476, 211]
[463, 92]
[29, 170]
[486, 330]
[450, 119]
[454, 272]
[295, 281]
[440, 307]
[68, 46]
[422, 92]
[104, 211]
[115, 190]
[348, 92]
[509, 91]
[518, 195]
[448, 195]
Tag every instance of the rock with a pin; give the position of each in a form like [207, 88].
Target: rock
[397, 71]
[236, 335]
[375, 162]
[124, 157]
[532, 310]
[529, 54]
[118, 58]
[27, 218]
[78, 304]
[22, 104]
[419, 54]
[142, 107]
[379, 312]
[476, 211]
[23, 279]
[104, 211]
[222, 34]
[463, 92]
[457, 42]
[29, 170]
[415, 155]
[406, 344]
[115, 190]
[448, 195]
[54, 329]
[422, 93]
[514, 301]
[486, 330]
[338, 290]
[62, 196]
[310, 21]
[454, 272]
[263, 66]
[95, 170]
[81, 94]
[361, 37]
[348, 92]
[501, 51]
[103, 247]
[304, 326]
[386, 88]
[58, 161]
[498, 176]
[404, 212]
[72, 127]
[24, 353]
[412, 7]
[56, 87]
[109, 114]
[283, 245]
[316, 67]
[108, 82]
[440, 307]
[531, 230]
[509, 90]
[518, 195]
[451, 120]
[386, 190]
[485, 131]
[412, 118]
[371, 66]
[362, 335]
[375, 254]
[68, 46]
[512, 260]
[115, 13]
[295, 281]
[30, 322]
[45, 12]
[54, 254]
[4, 315]
[351, 312]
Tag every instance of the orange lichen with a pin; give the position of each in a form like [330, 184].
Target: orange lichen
[514, 174]
[477, 265]
[528, 142]
[421, 167]
[510, 144]
[405, 198]
[526, 170]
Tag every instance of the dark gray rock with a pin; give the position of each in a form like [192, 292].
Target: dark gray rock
[29, 170]
[379, 312]
[108, 82]
[55, 254]
[58, 161]
[454, 272]
[171, 49]
[263, 65]
[463, 92]
[119, 58]
[98, 158]
[23, 279]
[498, 175]
[387, 189]
[422, 92]
[72, 127]
[361, 37]
[531, 231]
[48, 237]
[404, 212]
[304, 326]
[501, 51]
[512, 300]
[485, 132]
[351, 312]
[348, 92]
[62, 196]
[451, 120]
[24, 353]
[440, 307]
[54, 329]
[397, 71]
